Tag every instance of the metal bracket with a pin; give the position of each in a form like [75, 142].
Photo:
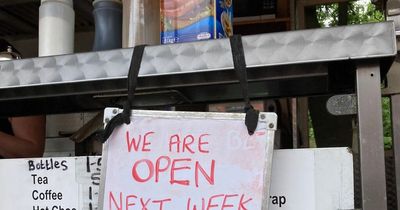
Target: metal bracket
[342, 104]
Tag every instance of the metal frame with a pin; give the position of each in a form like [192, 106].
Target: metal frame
[395, 108]
[289, 64]
[393, 92]
[372, 159]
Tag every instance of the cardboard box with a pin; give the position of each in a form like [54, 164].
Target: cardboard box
[194, 20]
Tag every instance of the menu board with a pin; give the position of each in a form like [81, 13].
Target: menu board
[70, 183]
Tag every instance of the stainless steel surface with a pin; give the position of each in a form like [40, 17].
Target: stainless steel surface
[395, 108]
[307, 46]
[372, 163]
[9, 55]
[285, 64]
[342, 104]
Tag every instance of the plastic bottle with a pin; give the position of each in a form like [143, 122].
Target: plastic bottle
[56, 27]
[108, 24]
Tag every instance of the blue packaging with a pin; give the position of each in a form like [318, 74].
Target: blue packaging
[194, 20]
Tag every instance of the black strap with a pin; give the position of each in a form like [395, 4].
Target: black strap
[239, 63]
[125, 116]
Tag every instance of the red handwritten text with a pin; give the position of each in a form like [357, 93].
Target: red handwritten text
[220, 202]
[145, 170]
[188, 143]
[120, 202]
[135, 143]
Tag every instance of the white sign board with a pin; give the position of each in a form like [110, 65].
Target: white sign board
[187, 160]
[304, 179]
[50, 183]
[312, 179]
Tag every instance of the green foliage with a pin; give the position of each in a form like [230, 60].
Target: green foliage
[328, 14]
[387, 140]
[386, 116]
[311, 135]
[364, 14]
[387, 127]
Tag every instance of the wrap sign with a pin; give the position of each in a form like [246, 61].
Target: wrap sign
[187, 161]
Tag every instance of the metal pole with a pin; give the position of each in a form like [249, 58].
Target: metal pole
[372, 159]
[395, 109]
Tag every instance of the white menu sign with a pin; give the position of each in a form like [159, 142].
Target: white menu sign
[69, 183]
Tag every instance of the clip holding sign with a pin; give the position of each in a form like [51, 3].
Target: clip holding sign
[133, 74]
[239, 63]
[239, 66]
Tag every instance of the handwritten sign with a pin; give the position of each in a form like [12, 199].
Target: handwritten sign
[50, 183]
[187, 161]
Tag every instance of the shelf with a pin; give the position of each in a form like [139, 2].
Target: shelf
[260, 21]
[295, 63]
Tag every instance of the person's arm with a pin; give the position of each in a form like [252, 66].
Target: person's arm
[28, 139]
